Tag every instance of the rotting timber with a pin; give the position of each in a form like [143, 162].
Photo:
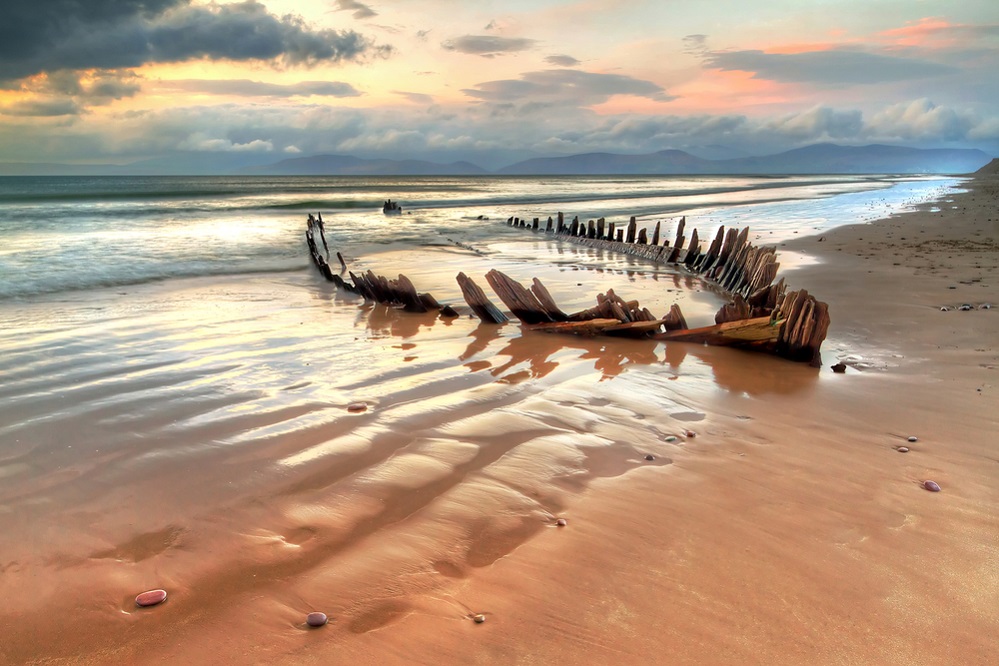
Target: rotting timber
[762, 315]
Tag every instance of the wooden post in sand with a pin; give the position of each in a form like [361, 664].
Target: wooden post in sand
[760, 315]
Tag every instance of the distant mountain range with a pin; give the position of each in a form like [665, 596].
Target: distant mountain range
[815, 159]
[819, 158]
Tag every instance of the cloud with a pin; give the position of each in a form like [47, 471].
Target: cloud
[42, 108]
[834, 67]
[361, 10]
[562, 60]
[488, 45]
[565, 87]
[117, 34]
[696, 45]
[817, 124]
[247, 88]
[936, 30]
[66, 93]
[200, 143]
[921, 119]
[482, 133]
[415, 97]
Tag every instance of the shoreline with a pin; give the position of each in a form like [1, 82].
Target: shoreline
[788, 530]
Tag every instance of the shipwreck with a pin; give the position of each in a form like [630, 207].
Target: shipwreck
[761, 314]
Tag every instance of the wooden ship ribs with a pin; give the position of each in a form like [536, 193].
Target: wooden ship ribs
[761, 315]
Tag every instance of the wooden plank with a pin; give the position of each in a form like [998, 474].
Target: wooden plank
[754, 331]
[547, 302]
[477, 300]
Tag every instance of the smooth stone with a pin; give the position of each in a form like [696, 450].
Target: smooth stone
[912, 438]
[357, 407]
[985, 306]
[932, 486]
[151, 598]
[903, 449]
[839, 368]
[649, 456]
[671, 438]
[479, 619]
[561, 522]
[966, 307]
[316, 619]
[944, 308]
[690, 433]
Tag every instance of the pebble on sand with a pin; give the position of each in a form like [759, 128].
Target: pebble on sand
[649, 456]
[357, 407]
[561, 522]
[912, 438]
[690, 433]
[316, 619]
[479, 619]
[671, 438]
[932, 486]
[839, 368]
[903, 449]
[151, 598]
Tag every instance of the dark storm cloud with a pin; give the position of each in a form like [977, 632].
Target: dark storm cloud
[562, 60]
[38, 36]
[361, 10]
[488, 45]
[565, 87]
[826, 67]
[247, 88]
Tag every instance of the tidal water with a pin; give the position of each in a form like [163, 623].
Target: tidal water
[64, 234]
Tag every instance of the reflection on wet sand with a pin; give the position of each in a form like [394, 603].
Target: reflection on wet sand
[260, 490]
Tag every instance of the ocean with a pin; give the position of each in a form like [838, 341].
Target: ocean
[63, 234]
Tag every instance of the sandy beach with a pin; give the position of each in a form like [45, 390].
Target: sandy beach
[785, 528]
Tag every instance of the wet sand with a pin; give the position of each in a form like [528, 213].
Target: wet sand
[206, 449]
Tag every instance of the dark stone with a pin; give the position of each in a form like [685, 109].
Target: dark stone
[316, 619]
[839, 367]
[357, 407]
[912, 438]
[479, 619]
[448, 311]
[932, 486]
[151, 598]
[561, 522]
[649, 456]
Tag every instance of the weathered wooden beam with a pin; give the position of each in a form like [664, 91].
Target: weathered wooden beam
[547, 302]
[674, 320]
[760, 331]
[522, 302]
[477, 300]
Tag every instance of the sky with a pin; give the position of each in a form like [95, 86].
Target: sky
[118, 81]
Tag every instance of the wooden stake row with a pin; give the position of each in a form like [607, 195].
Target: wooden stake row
[744, 271]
